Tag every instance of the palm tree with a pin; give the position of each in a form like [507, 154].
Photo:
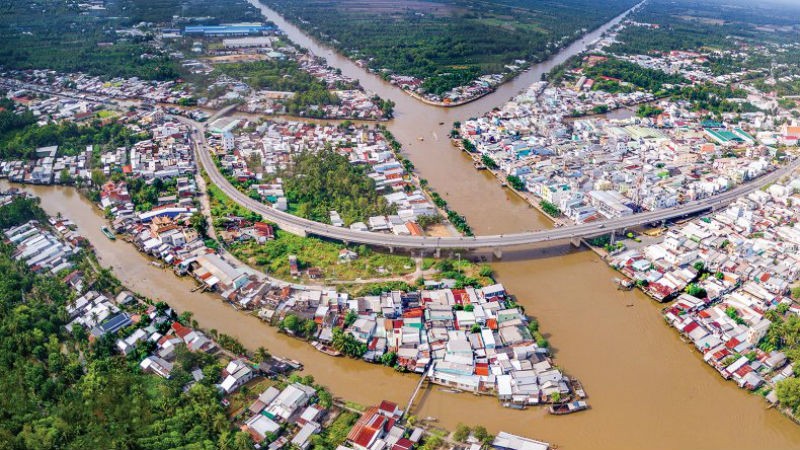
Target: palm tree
[261, 354]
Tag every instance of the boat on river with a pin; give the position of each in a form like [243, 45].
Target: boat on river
[330, 351]
[568, 408]
[577, 388]
[518, 406]
[109, 234]
[623, 285]
[450, 390]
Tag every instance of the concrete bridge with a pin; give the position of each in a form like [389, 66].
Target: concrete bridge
[304, 227]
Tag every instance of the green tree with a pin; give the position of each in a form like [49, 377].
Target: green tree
[389, 359]
[481, 434]
[350, 318]
[261, 354]
[516, 182]
[98, 177]
[788, 392]
[200, 224]
[325, 398]
[550, 208]
[462, 433]
[696, 291]
[291, 323]
[64, 177]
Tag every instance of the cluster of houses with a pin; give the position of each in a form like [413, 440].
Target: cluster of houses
[352, 101]
[274, 144]
[603, 168]
[740, 265]
[381, 428]
[162, 360]
[350, 104]
[43, 250]
[49, 167]
[278, 409]
[478, 87]
[165, 233]
[280, 418]
[289, 417]
[693, 65]
[46, 108]
[618, 164]
[97, 89]
[468, 339]
[167, 154]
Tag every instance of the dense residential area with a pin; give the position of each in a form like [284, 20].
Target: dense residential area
[730, 281]
[609, 136]
[312, 170]
[446, 321]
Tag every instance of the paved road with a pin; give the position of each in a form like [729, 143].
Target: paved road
[302, 226]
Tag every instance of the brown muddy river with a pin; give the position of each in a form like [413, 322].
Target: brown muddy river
[647, 389]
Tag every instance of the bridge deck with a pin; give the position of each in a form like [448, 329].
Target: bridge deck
[302, 226]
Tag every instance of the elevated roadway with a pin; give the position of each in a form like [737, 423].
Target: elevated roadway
[301, 226]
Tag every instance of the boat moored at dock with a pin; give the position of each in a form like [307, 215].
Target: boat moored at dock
[568, 408]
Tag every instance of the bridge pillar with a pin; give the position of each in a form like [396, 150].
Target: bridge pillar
[576, 242]
[391, 249]
[437, 253]
[498, 253]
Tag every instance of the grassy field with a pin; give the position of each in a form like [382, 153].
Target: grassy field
[273, 257]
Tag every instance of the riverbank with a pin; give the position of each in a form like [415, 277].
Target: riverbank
[457, 314]
[733, 311]
[441, 104]
[576, 313]
[527, 198]
[475, 89]
[143, 344]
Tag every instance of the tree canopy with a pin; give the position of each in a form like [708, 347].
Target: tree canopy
[324, 181]
[59, 391]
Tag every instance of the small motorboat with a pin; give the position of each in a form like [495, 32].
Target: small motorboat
[108, 233]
